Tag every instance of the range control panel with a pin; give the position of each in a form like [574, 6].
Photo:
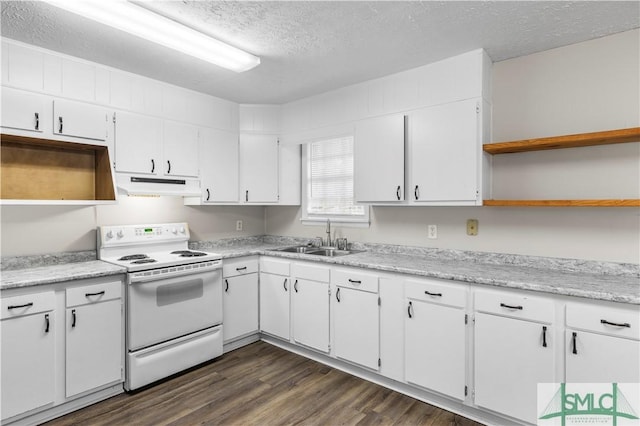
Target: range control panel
[113, 236]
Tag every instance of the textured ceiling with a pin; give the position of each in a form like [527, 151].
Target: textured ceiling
[309, 47]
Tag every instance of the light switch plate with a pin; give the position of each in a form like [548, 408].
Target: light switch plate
[472, 227]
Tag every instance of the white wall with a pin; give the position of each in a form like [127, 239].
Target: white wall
[585, 87]
[48, 229]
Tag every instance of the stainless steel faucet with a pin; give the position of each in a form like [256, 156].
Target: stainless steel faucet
[328, 233]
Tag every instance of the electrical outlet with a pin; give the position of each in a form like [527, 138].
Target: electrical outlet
[432, 232]
[238, 225]
[472, 227]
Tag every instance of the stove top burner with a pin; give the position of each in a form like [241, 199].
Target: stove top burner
[134, 257]
[145, 260]
[189, 253]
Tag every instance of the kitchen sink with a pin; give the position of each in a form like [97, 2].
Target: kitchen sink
[317, 251]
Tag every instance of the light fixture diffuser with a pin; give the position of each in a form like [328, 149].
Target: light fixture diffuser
[143, 23]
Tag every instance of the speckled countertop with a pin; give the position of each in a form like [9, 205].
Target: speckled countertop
[587, 279]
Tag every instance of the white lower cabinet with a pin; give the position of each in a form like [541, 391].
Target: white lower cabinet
[356, 321]
[28, 353]
[275, 286]
[435, 336]
[602, 344]
[514, 350]
[240, 298]
[310, 306]
[60, 344]
[94, 345]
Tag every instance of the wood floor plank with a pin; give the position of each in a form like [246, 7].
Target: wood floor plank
[261, 384]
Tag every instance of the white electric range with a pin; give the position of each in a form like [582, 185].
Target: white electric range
[173, 299]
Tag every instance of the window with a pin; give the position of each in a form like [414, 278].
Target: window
[328, 188]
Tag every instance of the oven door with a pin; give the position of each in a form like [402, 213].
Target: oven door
[164, 309]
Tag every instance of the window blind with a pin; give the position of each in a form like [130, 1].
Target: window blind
[330, 178]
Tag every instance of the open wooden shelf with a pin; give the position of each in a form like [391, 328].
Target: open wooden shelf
[563, 203]
[567, 141]
[38, 169]
[560, 142]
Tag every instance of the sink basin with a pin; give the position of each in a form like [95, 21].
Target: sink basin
[317, 251]
[298, 249]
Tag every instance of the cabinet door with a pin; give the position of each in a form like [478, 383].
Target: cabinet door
[219, 166]
[379, 159]
[357, 327]
[274, 305]
[240, 306]
[23, 110]
[435, 347]
[595, 358]
[28, 363]
[444, 158]
[180, 150]
[138, 140]
[94, 349]
[310, 311]
[510, 360]
[258, 169]
[79, 120]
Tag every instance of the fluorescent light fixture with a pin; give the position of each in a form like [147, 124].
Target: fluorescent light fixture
[143, 23]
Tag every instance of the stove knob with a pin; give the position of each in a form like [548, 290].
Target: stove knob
[182, 230]
[109, 235]
[175, 231]
[120, 234]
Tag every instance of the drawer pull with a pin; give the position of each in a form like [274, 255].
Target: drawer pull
[355, 281]
[433, 294]
[544, 336]
[574, 335]
[510, 306]
[410, 310]
[624, 324]
[26, 305]
[99, 293]
[226, 288]
[338, 294]
[244, 268]
[73, 318]
[46, 322]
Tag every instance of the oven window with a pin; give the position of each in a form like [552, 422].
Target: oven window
[179, 292]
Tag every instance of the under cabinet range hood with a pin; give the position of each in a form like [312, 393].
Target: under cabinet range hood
[129, 184]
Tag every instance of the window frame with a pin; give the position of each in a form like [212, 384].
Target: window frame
[321, 219]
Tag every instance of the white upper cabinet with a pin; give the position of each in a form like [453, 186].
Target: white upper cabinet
[258, 168]
[138, 141]
[180, 150]
[219, 166]
[379, 159]
[79, 120]
[445, 154]
[23, 110]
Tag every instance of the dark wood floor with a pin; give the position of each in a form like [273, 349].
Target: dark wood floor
[261, 384]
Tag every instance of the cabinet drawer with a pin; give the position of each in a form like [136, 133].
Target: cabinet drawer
[515, 305]
[437, 292]
[354, 278]
[614, 321]
[28, 304]
[274, 266]
[239, 266]
[93, 293]
[310, 272]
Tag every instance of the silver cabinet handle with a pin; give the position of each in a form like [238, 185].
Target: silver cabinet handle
[59, 124]
[168, 167]
[416, 192]
[153, 166]
[208, 194]
[398, 193]
[37, 116]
